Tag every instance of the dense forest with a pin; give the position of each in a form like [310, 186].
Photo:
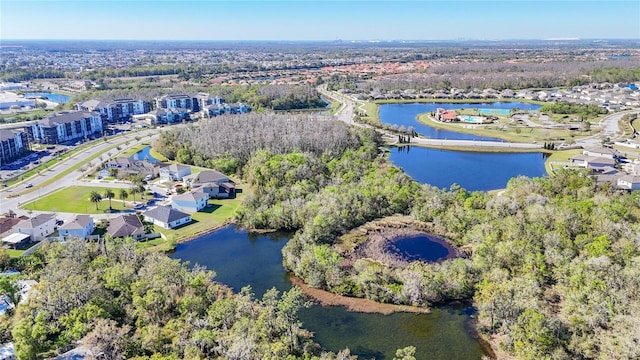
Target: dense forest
[228, 142]
[551, 264]
[127, 303]
[584, 111]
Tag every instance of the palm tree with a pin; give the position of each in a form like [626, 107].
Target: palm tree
[133, 191]
[123, 195]
[95, 198]
[109, 195]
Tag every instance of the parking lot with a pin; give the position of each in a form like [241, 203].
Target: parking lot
[20, 166]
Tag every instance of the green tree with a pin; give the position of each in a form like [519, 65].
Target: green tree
[123, 195]
[109, 194]
[95, 198]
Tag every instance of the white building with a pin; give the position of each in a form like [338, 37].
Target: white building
[10, 100]
[66, 126]
[174, 172]
[38, 227]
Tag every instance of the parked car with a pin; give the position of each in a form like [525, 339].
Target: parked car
[139, 206]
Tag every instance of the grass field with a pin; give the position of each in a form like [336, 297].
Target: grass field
[75, 199]
[560, 156]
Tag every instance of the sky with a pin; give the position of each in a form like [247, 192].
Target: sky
[319, 20]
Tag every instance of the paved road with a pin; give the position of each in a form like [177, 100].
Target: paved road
[608, 129]
[345, 113]
[39, 189]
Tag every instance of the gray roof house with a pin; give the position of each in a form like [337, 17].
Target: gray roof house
[126, 225]
[216, 184]
[37, 227]
[174, 172]
[79, 227]
[166, 217]
[190, 201]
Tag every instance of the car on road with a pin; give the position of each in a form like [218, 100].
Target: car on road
[139, 206]
[28, 185]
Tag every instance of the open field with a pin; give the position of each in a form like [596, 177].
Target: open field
[75, 199]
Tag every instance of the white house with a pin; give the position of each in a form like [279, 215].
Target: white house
[166, 217]
[79, 227]
[38, 227]
[191, 201]
[629, 182]
[601, 152]
[174, 172]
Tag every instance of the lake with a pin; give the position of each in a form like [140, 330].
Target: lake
[406, 115]
[471, 170]
[57, 98]
[240, 258]
[144, 154]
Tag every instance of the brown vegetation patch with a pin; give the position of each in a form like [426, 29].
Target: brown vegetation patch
[326, 298]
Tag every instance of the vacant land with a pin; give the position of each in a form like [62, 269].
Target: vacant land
[75, 199]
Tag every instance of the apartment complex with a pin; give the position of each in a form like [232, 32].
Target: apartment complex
[117, 110]
[14, 144]
[178, 101]
[66, 126]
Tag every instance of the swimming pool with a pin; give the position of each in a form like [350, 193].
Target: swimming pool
[472, 119]
[494, 111]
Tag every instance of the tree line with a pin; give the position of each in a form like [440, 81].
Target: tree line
[127, 303]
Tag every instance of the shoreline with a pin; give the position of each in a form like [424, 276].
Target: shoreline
[326, 298]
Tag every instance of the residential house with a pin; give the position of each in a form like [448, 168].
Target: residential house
[37, 227]
[602, 152]
[166, 217]
[79, 227]
[66, 126]
[174, 172]
[128, 166]
[8, 222]
[595, 163]
[214, 183]
[191, 201]
[629, 182]
[238, 108]
[14, 144]
[125, 226]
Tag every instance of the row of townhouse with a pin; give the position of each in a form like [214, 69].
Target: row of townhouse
[167, 109]
[14, 144]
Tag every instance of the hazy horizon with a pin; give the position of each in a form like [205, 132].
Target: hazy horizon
[309, 20]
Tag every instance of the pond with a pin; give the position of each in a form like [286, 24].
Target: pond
[240, 258]
[144, 154]
[471, 170]
[406, 115]
[421, 247]
[57, 98]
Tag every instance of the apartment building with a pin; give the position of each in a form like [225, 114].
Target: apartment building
[117, 110]
[66, 126]
[14, 144]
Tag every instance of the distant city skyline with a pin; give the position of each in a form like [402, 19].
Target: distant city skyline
[318, 20]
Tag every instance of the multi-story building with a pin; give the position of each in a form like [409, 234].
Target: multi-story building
[66, 126]
[179, 101]
[118, 110]
[14, 144]
[205, 100]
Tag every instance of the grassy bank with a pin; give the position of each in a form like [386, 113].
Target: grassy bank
[75, 199]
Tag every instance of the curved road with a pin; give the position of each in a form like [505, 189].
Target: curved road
[345, 114]
[40, 188]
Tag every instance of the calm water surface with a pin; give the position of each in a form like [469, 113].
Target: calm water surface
[421, 247]
[58, 98]
[144, 154]
[471, 170]
[406, 115]
[240, 258]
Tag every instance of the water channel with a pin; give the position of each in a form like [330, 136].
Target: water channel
[240, 258]
[56, 98]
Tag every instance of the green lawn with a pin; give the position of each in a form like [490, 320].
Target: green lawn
[75, 199]
[561, 156]
[213, 216]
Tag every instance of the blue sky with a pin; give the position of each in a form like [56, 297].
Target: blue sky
[318, 20]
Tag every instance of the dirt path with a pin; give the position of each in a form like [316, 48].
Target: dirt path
[326, 298]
